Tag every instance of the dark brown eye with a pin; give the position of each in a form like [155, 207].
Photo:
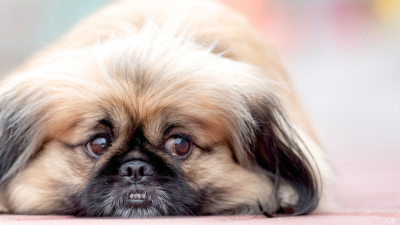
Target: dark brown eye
[98, 145]
[178, 146]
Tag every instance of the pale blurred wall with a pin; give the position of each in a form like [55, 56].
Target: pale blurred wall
[28, 25]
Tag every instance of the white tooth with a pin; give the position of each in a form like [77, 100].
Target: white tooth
[143, 196]
[131, 196]
[136, 196]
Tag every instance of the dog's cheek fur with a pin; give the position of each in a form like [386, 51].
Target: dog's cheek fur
[50, 182]
[228, 188]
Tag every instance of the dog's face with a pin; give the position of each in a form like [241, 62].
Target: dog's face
[145, 127]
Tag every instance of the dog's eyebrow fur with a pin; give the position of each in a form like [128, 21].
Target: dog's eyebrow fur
[107, 122]
[168, 128]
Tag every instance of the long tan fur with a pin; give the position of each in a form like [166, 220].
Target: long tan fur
[197, 64]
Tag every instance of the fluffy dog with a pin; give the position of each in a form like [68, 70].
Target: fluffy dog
[152, 108]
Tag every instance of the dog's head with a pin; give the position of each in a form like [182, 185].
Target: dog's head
[152, 125]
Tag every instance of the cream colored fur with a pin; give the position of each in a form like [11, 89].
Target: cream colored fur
[126, 38]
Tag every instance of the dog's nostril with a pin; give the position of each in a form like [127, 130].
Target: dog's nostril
[141, 171]
[129, 172]
[136, 170]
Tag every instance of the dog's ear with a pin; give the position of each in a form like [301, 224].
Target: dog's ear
[19, 134]
[279, 149]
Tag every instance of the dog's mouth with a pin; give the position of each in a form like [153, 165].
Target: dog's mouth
[137, 199]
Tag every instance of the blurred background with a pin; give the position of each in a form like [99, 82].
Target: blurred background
[343, 57]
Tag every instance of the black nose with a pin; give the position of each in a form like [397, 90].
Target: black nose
[137, 171]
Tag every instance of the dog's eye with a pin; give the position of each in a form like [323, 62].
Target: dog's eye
[178, 146]
[98, 145]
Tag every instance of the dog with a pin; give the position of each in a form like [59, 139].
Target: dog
[157, 108]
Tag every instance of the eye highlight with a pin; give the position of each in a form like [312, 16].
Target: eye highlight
[98, 145]
[178, 146]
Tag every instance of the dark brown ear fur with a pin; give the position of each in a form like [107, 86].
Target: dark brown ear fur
[17, 132]
[277, 150]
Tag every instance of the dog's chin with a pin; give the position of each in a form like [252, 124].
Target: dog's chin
[111, 196]
[132, 202]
